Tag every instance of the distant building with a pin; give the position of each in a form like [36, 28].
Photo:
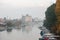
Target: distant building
[2, 22]
[26, 20]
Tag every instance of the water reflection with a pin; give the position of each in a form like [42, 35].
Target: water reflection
[9, 30]
[25, 33]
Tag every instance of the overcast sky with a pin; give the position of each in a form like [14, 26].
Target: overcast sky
[17, 8]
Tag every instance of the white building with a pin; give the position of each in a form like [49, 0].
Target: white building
[26, 20]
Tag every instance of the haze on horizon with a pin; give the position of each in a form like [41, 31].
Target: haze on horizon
[17, 8]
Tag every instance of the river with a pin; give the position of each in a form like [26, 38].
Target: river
[28, 34]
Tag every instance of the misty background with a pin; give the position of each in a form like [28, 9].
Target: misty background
[17, 8]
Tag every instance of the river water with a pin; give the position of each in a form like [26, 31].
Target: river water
[28, 34]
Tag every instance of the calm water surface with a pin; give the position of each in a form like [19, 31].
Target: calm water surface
[29, 34]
